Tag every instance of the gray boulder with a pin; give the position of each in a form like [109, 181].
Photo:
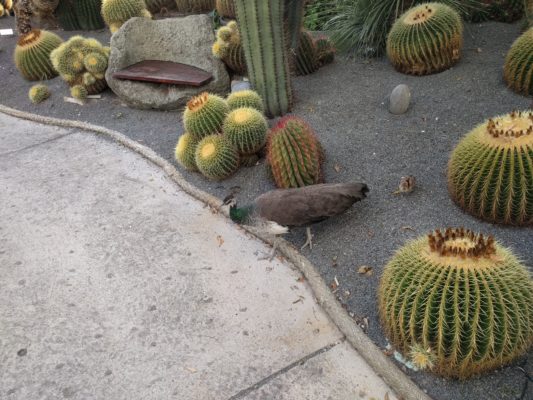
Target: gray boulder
[400, 99]
[187, 40]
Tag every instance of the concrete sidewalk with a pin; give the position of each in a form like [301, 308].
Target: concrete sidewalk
[115, 284]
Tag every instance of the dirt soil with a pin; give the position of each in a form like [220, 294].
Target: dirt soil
[346, 105]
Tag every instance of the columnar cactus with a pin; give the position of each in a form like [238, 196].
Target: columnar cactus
[185, 151]
[229, 49]
[246, 130]
[261, 26]
[116, 12]
[38, 93]
[225, 8]
[462, 298]
[204, 115]
[32, 54]
[490, 172]
[82, 64]
[245, 98]
[216, 158]
[294, 154]
[79, 15]
[518, 68]
[426, 39]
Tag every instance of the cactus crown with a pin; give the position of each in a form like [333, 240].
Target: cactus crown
[198, 102]
[512, 130]
[32, 38]
[207, 150]
[419, 15]
[460, 243]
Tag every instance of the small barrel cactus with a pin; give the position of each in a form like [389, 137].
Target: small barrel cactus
[32, 54]
[426, 39]
[462, 298]
[185, 152]
[246, 129]
[307, 60]
[245, 98]
[325, 49]
[82, 62]
[116, 12]
[294, 154]
[38, 93]
[518, 68]
[79, 92]
[225, 8]
[204, 115]
[216, 158]
[490, 172]
[229, 49]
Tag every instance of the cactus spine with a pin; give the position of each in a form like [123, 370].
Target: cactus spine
[79, 15]
[32, 54]
[216, 157]
[490, 172]
[204, 115]
[462, 297]
[185, 151]
[225, 8]
[229, 49]
[265, 48]
[38, 93]
[117, 12]
[246, 130]
[294, 154]
[82, 62]
[426, 39]
[245, 98]
[518, 67]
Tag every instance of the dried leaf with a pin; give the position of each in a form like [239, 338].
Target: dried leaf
[220, 240]
[365, 270]
[73, 101]
[408, 228]
[337, 168]
[191, 370]
[334, 261]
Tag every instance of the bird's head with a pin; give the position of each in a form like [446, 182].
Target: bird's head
[235, 213]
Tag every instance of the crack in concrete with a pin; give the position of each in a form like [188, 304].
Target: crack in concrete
[31, 146]
[284, 370]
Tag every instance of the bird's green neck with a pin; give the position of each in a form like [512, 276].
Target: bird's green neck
[240, 215]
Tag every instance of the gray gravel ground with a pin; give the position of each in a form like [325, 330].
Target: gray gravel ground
[346, 104]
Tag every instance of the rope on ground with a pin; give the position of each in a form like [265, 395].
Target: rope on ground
[380, 363]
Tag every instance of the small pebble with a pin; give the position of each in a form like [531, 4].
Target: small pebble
[400, 99]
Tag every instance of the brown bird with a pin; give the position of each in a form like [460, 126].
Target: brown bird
[407, 184]
[275, 211]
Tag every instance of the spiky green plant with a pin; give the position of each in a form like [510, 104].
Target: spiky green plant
[79, 92]
[307, 60]
[528, 11]
[499, 10]
[426, 39]
[261, 26]
[462, 297]
[38, 93]
[75, 15]
[490, 172]
[294, 154]
[195, 6]
[83, 62]
[245, 98]
[229, 49]
[225, 8]
[32, 54]
[117, 12]
[518, 67]
[155, 6]
[216, 158]
[361, 26]
[204, 115]
[185, 151]
[246, 129]
[325, 49]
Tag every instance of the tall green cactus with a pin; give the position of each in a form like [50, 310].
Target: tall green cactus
[79, 15]
[261, 25]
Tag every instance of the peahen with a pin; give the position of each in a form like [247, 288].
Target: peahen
[275, 211]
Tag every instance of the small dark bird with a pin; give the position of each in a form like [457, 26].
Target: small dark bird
[276, 210]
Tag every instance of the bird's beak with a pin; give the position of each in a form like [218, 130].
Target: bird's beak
[228, 200]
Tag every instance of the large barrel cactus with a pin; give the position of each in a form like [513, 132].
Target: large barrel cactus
[246, 129]
[32, 54]
[518, 68]
[117, 12]
[294, 154]
[426, 39]
[458, 302]
[490, 172]
[216, 158]
[265, 43]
